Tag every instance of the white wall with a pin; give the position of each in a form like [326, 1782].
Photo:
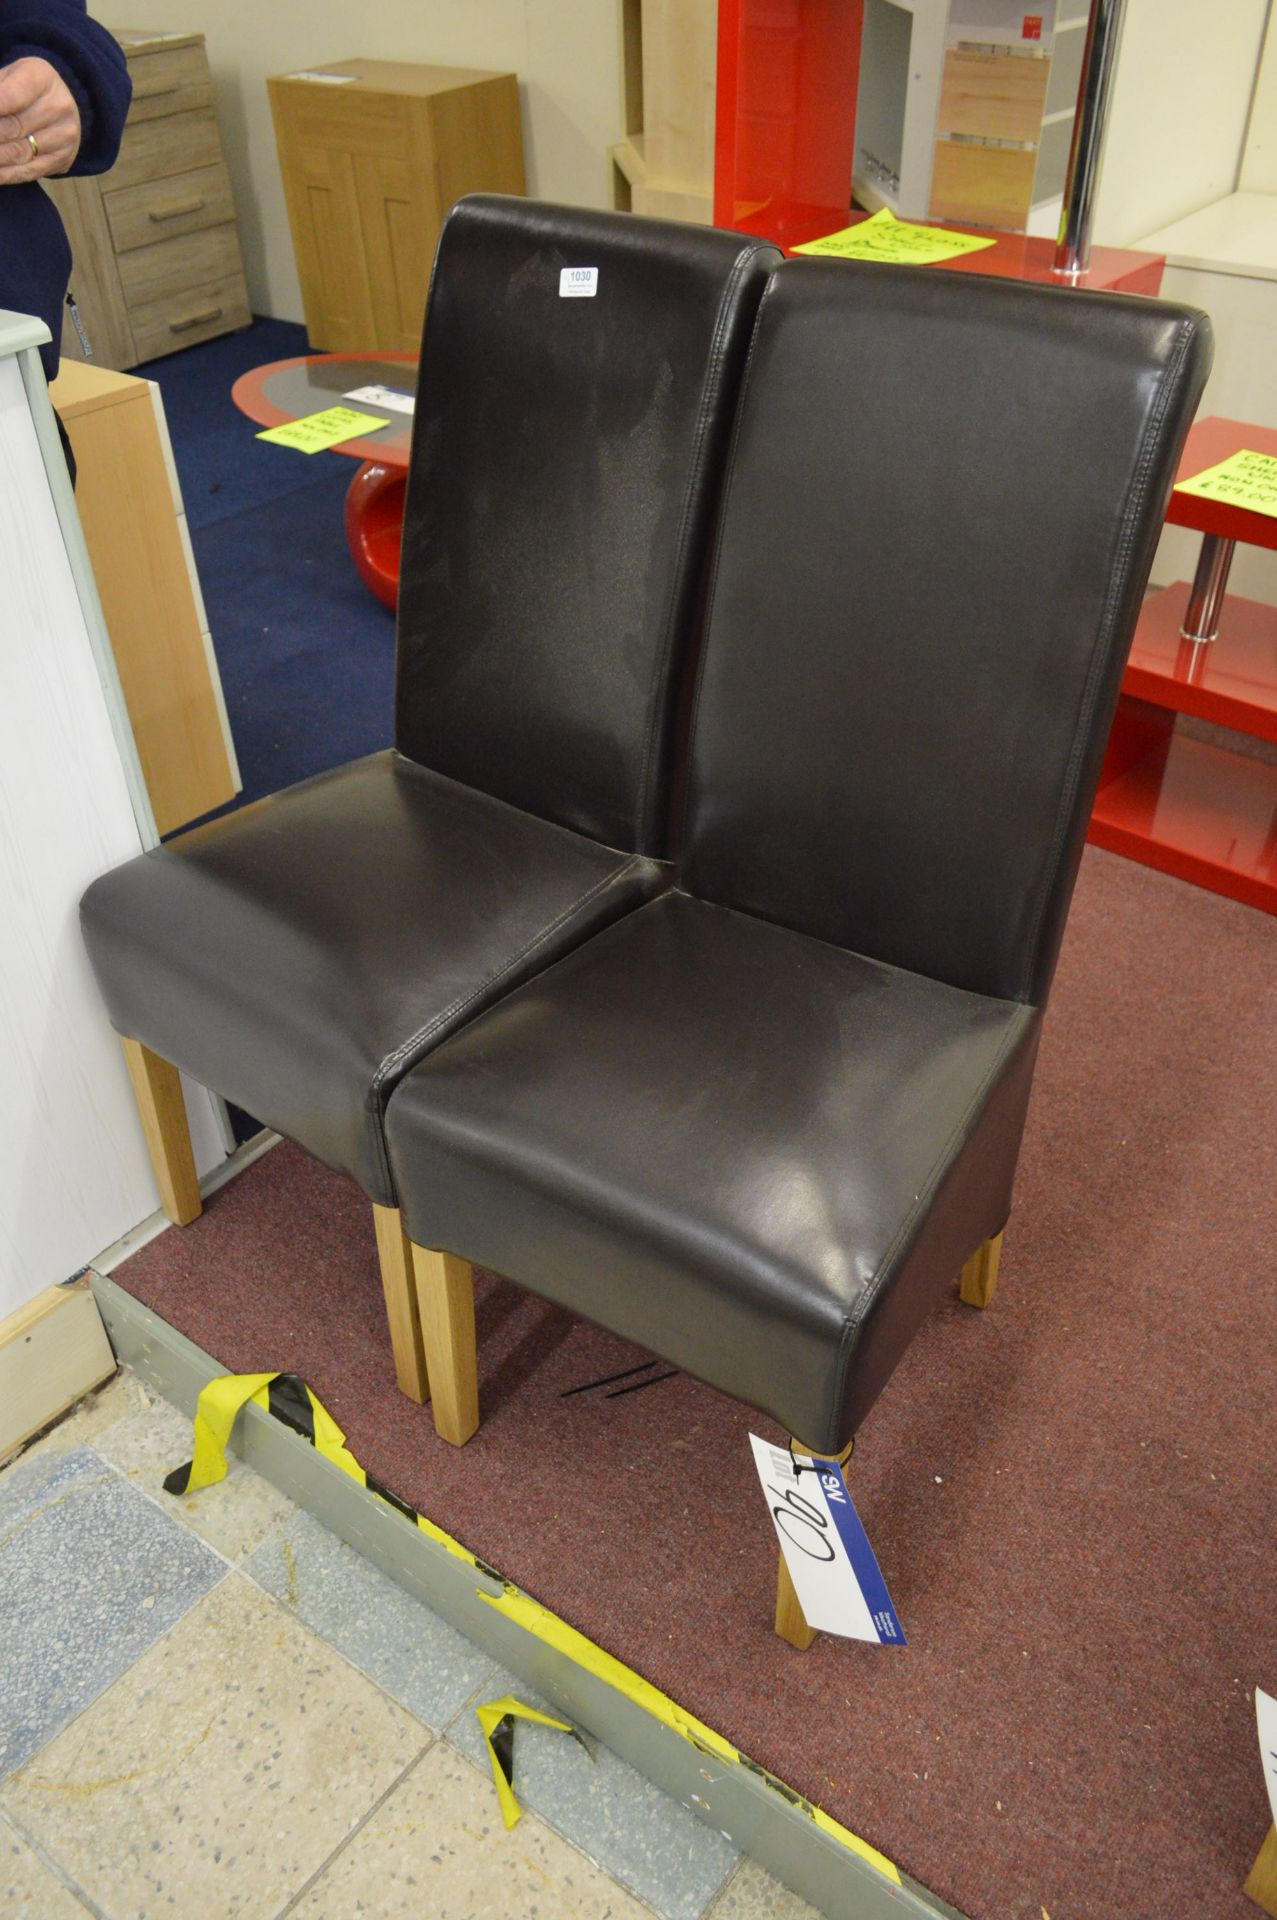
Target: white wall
[1181, 99]
[1259, 166]
[566, 54]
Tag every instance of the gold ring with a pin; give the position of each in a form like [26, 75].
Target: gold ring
[34, 145]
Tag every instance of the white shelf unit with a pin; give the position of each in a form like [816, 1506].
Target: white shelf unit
[74, 1171]
[898, 115]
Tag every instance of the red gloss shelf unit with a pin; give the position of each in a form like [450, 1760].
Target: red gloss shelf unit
[785, 142]
[785, 116]
[1203, 812]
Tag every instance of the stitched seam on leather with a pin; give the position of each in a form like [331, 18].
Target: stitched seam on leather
[1134, 502]
[729, 479]
[412, 447]
[711, 387]
[419, 1040]
[923, 1201]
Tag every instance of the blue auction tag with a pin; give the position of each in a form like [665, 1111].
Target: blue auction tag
[838, 1581]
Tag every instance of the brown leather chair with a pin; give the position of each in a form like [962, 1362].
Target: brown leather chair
[758, 1125]
[301, 955]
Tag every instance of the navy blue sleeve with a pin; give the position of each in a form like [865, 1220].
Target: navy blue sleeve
[89, 60]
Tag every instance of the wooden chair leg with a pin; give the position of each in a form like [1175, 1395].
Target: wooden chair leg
[445, 1298]
[1261, 1886]
[394, 1251]
[157, 1088]
[980, 1274]
[791, 1621]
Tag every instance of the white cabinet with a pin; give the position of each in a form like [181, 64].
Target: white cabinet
[74, 1173]
[966, 109]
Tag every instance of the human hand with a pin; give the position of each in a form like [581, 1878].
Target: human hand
[39, 122]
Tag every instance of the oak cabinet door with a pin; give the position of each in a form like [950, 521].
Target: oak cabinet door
[322, 190]
[399, 218]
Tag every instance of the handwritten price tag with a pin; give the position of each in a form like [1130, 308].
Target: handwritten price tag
[319, 431]
[1245, 479]
[897, 242]
[827, 1551]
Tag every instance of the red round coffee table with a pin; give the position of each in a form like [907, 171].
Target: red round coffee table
[288, 390]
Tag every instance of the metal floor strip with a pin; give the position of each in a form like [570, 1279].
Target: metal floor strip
[775, 1826]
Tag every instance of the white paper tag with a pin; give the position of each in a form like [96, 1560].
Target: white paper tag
[831, 1563]
[324, 79]
[578, 283]
[393, 397]
[1266, 1715]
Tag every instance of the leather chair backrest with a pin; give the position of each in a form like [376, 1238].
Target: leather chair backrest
[566, 459]
[939, 515]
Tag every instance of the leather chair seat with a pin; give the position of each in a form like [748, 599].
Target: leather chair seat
[741, 1147]
[301, 954]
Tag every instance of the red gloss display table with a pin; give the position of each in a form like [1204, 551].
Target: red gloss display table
[288, 390]
[1203, 812]
[1026, 256]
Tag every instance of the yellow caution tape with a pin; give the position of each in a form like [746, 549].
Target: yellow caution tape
[288, 1398]
[215, 1413]
[547, 1627]
[497, 1718]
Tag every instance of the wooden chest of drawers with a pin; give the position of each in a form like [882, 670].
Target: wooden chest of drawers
[157, 259]
[373, 154]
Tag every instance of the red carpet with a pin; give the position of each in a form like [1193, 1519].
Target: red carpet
[1071, 1495]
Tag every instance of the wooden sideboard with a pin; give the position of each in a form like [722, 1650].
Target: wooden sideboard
[157, 256]
[373, 154]
[135, 529]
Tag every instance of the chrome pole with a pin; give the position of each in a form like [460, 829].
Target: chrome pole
[1099, 62]
[1210, 582]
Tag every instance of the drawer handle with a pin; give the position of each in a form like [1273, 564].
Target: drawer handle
[154, 93]
[175, 213]
[195, 320]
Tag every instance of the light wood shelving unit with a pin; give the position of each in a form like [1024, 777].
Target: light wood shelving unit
[135, 529]
[665, 164]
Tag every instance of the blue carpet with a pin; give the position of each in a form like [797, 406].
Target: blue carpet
[306, 654]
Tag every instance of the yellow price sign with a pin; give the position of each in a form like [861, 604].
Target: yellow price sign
[898, 242]
[319, 431]
[1245, 479]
